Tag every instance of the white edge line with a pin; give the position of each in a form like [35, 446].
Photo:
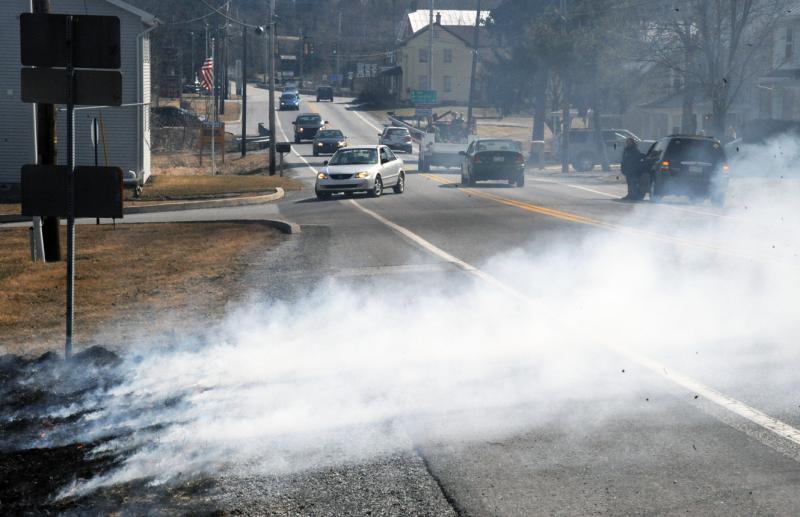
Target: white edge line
[737, 407]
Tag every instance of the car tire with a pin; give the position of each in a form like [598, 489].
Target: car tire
[297, 139]
[317, 99]
[400, 186]
[656, 195]
[423, 165]
[316, 153]
[377, 190]
[323, 196]
[583, 163]
[521, 179]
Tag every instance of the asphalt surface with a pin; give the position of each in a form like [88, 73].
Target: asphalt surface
[655, 416]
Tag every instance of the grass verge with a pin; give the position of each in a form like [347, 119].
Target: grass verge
[137, 276]
[171, 188]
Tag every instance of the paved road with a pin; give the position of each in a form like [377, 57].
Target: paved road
[683, 428]
[546, 349]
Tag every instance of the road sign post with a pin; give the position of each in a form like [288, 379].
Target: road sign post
[58, 47]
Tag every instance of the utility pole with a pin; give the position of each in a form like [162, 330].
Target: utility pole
[339, 50]
[475, 43]
[566, 123]
[272, 28]
[430, 48]
[216, 115]
[301, 57]
[46, 145]
[244, 91]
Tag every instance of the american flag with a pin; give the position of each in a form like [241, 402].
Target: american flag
[207, 73]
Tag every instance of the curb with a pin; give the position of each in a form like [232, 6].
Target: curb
[178, 206]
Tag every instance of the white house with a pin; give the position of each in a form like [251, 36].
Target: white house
[780, 87]
[125, 137]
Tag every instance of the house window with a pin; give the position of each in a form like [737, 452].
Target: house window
[423, 55]
[448, 83]
[448, 55]
[423, 82]
[789, 52]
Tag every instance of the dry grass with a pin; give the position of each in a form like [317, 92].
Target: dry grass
[187, 163]
[407, 112]
[10, 208]
[133, 277]
[193, 187]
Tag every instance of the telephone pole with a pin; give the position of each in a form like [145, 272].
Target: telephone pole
[272, 28]
[475, 43]
[430, 48]
[46, 145]
[566, 123]
[244, 91]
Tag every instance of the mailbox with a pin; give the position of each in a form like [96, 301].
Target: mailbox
[283, 147]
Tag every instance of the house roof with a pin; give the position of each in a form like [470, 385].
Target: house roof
[420, 18]
[147, 18]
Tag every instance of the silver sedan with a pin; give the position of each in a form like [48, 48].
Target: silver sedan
[361, 169]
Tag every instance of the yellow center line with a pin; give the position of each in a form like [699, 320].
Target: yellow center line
[580, 219]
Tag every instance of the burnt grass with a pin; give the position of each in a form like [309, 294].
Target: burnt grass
[43, 402]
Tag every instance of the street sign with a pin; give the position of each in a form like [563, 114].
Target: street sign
[91, 87]
[95, 41]
[423, 97]
[423, 112]
[98, 191]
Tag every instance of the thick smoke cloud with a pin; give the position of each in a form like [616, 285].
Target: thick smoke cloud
[347, 374]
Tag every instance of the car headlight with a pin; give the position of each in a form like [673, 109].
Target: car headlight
[322, 176]
[362, 175]
[319, 144]
[342, 143]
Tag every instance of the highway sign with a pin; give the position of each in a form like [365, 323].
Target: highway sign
[424, 97]
[91, 87]
[95, 41]
[423, 112]
[98, 191]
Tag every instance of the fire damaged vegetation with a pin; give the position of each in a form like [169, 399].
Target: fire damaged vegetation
[45, 404]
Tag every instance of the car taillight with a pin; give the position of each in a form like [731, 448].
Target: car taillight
[520, 159]
[476, 159]
[726, 168]
[407, 139]
[665, 165]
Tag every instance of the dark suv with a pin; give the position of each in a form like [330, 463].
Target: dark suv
[687, 165]
[325, 93]
[306, 126]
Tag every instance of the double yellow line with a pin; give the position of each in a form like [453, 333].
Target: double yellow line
[580, 219]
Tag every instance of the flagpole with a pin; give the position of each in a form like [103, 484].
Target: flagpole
[214, 122]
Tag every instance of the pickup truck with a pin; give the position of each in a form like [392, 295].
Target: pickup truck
[441, 154]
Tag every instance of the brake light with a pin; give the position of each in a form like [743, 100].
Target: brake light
[665, 164]
[520, 159]
[476, 159]
[407, 139]
[726, 168]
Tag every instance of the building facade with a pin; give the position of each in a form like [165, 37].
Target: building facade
[780, 87]
[125, 133]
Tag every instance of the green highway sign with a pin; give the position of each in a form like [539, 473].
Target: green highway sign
[423, 97]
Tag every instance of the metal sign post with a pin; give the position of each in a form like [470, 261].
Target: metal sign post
[55, 45]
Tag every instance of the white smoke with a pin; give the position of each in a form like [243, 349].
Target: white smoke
[347, 374]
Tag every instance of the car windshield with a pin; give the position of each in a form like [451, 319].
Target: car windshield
[397, 132]
[330, 133]
[309, 119]
[692, 150]
[497, 145]
[288, 97]
[354, 157]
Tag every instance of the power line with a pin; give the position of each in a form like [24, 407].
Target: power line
[226, 16]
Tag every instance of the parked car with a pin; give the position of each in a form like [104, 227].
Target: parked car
[329, 141]
[325, 93]
[493, 159]
[170, 116]
[688, 165]
[396, 138]
[584, 151]
[361, 169]
[290, 101]
[306, 126]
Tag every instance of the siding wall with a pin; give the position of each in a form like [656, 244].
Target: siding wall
[458, 70]
[124, 127]
[17, 140]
